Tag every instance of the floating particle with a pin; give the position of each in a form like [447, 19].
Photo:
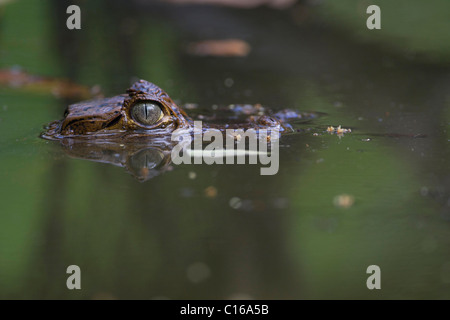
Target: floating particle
[192, 175]
[235, 203]
[342, 130]
[344, 201]
[339, 130]
[211, 192]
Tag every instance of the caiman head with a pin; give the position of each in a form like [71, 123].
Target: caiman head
[144, 111]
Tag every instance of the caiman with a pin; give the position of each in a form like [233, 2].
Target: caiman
[133, 130]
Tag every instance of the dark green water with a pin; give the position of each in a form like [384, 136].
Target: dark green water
[263, 237]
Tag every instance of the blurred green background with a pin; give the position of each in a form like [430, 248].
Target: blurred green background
[287, 236]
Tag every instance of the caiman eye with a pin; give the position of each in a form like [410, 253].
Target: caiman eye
[146, 113]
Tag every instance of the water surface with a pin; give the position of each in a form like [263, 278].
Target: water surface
[225, 231]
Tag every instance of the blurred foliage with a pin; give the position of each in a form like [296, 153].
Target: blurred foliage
[27, 37]
[414, 28]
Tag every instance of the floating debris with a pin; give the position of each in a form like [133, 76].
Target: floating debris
[220, 48]
[344, 201]
[61, 88]
[211, 192]
[339, 130]
[235, 203]
[192, 175]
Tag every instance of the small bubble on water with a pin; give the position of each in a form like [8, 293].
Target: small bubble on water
[235, 203]
[192, 175]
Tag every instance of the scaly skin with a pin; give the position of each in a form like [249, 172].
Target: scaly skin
[104, 130]
[110, 118]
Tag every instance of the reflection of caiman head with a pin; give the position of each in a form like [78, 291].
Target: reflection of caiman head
[143, 161]
[131, 130]
[134, 130]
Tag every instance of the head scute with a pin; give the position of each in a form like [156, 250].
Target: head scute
[147, 88]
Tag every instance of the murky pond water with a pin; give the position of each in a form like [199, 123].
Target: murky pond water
[376, 196]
